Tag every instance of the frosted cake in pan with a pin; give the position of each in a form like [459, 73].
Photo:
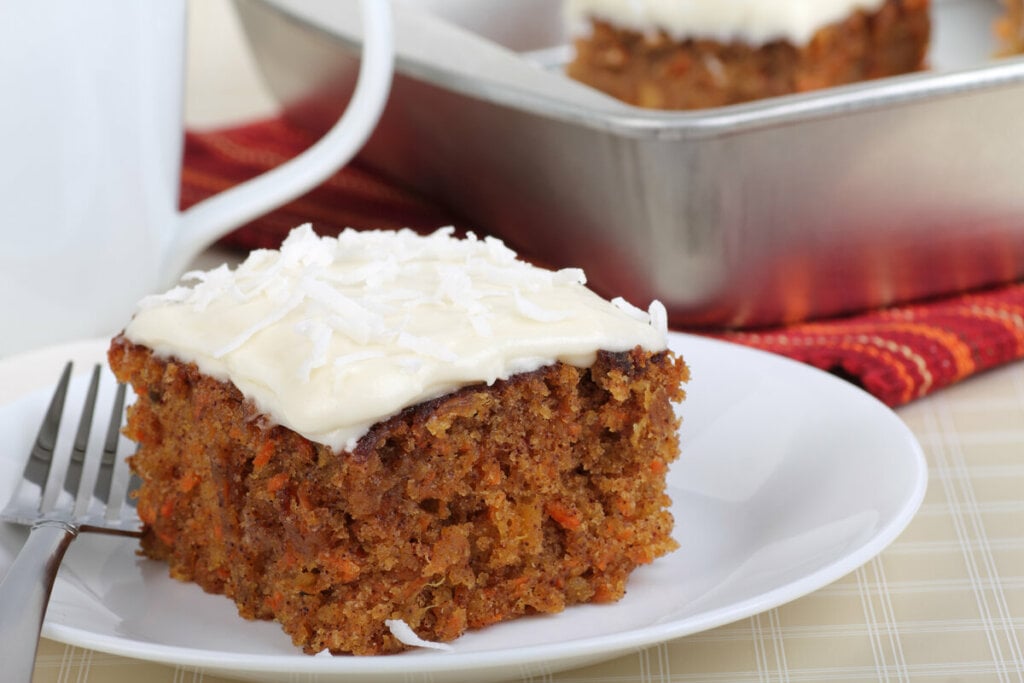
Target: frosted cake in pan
[691, 54]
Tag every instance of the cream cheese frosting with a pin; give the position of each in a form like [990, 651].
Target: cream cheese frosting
[754, 22]
[328, 336]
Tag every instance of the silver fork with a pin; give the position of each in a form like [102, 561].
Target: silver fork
[52, 500]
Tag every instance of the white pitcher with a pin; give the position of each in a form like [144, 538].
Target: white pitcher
[91, 141]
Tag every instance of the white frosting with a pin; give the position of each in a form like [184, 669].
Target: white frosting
[330, 335]
[754, 22]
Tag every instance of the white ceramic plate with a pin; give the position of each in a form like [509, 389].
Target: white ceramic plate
[789, 480]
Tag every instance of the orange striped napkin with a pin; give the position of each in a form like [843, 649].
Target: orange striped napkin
[898, 354]
[906, 352]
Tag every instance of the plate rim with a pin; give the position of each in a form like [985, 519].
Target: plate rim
[580, 651]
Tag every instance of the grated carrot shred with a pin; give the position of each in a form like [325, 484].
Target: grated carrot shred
[563, 515]
[277, 482]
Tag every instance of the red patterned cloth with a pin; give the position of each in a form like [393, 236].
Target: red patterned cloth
[906, 352]
[898, 354]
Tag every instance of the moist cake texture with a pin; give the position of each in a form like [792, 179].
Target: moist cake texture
[692, 54]
[527, 480]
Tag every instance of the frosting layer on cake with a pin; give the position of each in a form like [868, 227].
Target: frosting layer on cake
[329, 335]
[750, 21]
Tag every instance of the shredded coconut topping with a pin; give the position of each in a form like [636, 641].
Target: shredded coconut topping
[329, 335]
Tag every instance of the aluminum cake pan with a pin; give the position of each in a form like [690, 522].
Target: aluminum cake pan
[776, 211]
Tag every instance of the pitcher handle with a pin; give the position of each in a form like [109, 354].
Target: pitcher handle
[207, 221]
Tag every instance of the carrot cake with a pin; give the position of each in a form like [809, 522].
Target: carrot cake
[691, 54]
[385, 439]
[1010, 27]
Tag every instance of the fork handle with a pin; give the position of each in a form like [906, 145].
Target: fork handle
[24, 594]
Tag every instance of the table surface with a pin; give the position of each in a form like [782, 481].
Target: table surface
[944, 602]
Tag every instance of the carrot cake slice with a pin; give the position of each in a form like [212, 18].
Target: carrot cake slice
[382, 439]
[691, 54]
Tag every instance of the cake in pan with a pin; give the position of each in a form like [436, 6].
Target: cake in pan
[692, 54]
[385, 437]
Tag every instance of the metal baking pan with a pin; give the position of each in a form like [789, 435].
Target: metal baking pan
[777, 211]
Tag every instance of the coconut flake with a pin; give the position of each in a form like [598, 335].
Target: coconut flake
[570, 276]
[499, 251]
[319, 335]
[177, 295]
[351, 358]
[659, 317]
[410, 365]
[401, 630]
[345, 314]
[630, 310]
[530, 310]
[303, 246]
[480, 322]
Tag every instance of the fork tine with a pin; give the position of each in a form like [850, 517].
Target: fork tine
[73, 476]
[106, 471]
[46, 440]
[40, 461]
